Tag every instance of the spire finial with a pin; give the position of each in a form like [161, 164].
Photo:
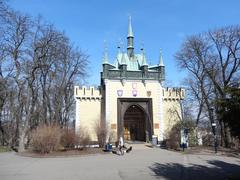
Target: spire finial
[142, 46]
[105, 54]
[120, 45]
[161, 58]
[130, 48]
[119, 48]
[144, 61]
[130, 31]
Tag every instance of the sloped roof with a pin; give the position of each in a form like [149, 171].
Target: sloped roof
[133, 64]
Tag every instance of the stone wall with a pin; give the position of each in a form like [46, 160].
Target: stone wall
[88, 109]
[172, 107]
[166, 109]
[134, 89]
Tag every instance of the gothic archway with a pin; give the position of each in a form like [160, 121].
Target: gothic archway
[134, 124]
[143, 111]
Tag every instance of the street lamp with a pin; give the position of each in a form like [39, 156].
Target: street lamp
[214, 129]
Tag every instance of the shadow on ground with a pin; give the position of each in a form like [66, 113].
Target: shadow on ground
[217, 170]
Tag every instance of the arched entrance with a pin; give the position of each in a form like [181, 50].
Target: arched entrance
[134, 124]
[135, 119]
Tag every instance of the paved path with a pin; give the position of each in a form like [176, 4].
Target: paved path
[142, 163]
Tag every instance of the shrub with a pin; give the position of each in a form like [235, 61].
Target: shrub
[174, 136]
[101, 132]
[173, 140]
[46, 139]
[192, 139]
[236, 143]
[208, 140]
[83, 138]
[68, 138]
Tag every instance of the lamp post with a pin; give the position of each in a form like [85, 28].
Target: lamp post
[214, 129]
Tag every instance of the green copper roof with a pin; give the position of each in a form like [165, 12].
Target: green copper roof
[133, 64]
[123, 59]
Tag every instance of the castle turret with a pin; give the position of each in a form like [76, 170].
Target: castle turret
[144, 61]
[105, 61]
[123, 67]
[161, 59]
[161, 67]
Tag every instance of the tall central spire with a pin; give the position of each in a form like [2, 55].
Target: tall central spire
[130, 32]
[130, 48]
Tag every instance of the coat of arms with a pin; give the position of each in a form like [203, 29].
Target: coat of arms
[149, 93]
[119, 93]
[134, 93]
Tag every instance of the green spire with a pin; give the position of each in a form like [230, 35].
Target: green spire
[130, 48]
[130, 32]
[105, 54]
[123, 60]
[120, 46]
[144, 61]
[161, 59]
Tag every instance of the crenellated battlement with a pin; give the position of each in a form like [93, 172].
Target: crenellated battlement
[173, 93]
[87, 93]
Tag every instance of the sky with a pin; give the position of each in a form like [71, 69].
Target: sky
[156, 24]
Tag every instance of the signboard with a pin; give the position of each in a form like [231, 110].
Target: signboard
[184, 138]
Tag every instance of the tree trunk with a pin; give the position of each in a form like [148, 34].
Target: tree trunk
[227, 135]
[222, 133]
[22, 137]
[21, 147]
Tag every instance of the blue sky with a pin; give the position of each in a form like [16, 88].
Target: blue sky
[156, 24]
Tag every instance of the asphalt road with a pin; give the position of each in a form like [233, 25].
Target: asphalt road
[142, 163]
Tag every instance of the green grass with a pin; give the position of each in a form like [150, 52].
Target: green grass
[4, 149]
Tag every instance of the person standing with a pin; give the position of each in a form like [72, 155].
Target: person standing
[121, 145]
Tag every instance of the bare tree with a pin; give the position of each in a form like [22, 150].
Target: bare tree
[213, 59]
[38, 68]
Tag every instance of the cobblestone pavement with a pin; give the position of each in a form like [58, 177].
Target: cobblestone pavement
[142, 163]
